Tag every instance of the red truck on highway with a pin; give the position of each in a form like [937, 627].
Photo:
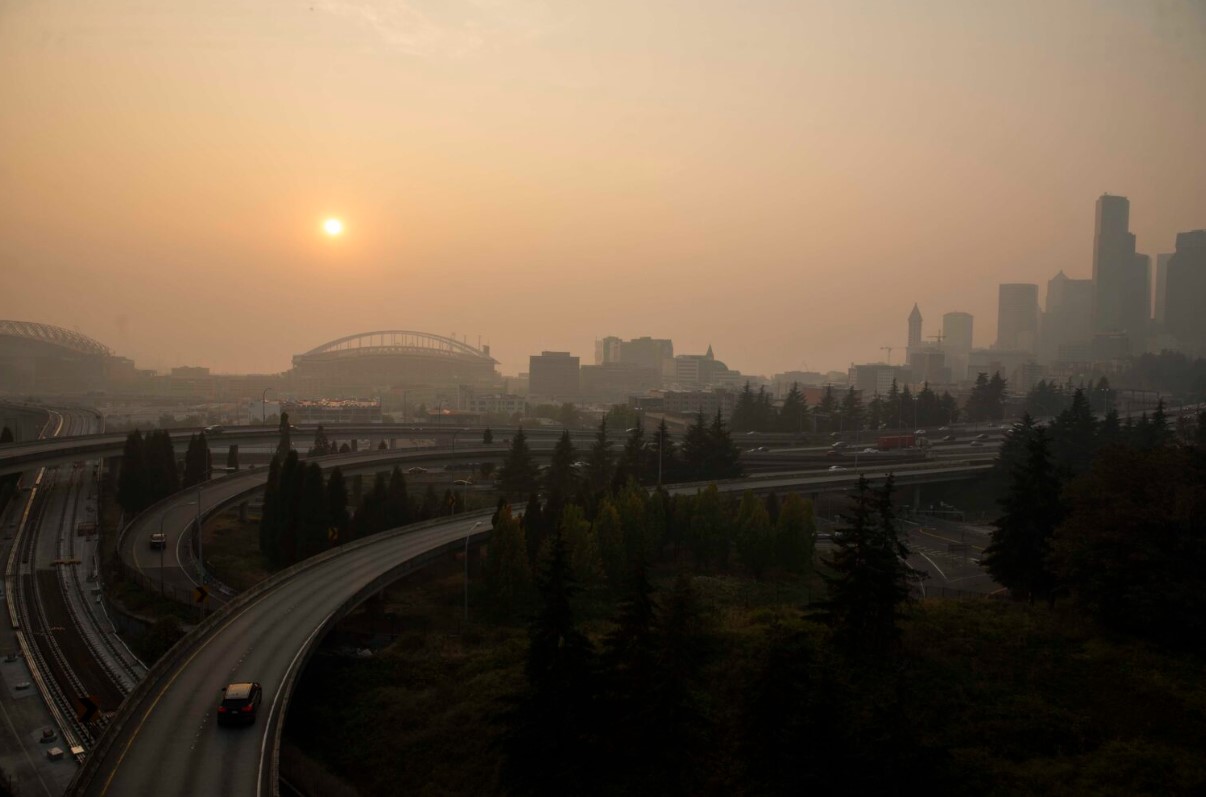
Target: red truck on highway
[889, 442]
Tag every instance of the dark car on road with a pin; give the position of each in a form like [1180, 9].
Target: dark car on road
[158, 541]
[240, 703]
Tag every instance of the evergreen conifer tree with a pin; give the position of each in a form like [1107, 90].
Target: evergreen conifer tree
[518, 475]
[551, 748]
[285, 443]
[270, 520]
[869, 581]
[598, 461]
[1019, 552]
[337, 505]
[132, 487]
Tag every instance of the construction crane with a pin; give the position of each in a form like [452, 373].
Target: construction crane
[888, 349]
[937, 338]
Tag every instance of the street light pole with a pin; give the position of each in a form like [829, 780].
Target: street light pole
[264, 405]
[467, 535]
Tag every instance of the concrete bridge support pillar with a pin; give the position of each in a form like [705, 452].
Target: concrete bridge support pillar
[917, 498]
[243, 512]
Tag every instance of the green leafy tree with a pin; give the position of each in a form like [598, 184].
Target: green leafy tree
[488, 436]
[1130, 548]
[795, 535]
[518, 475]
[755, 539]
[708, 535]
[609, 532]
[582, 544]
[507, 573]
[1018, 556]
[569, 416]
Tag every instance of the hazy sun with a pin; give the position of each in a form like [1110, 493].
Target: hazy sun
[332, 226]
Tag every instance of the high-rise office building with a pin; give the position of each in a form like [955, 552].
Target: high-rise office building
[1017, 316]
[1183, 316]
[607, 350]
[1122, 293]
[1067, 325]
[646, 352]
[957, 343]
[1161, 286]
[554, 375]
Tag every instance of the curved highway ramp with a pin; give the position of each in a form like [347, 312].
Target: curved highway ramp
[165, 740]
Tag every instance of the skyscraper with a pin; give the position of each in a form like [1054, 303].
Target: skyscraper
[1067, 328]
[1017, 316]
[957, 342]
[1121, 296]
[1161, 286]
[1183, 315]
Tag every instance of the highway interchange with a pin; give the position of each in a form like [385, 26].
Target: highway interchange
[163, 740]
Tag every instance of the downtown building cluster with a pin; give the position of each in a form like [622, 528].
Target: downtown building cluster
[1089, 325]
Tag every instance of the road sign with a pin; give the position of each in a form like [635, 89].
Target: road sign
[200, 595]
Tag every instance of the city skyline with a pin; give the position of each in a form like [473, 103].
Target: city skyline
[543, 176]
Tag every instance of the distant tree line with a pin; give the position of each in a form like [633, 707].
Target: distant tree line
[842, 411]
[707, 452]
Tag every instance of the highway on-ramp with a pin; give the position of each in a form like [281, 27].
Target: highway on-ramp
[165, 740]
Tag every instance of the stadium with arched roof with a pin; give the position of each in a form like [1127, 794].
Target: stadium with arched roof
[42, 358]
[369, 363]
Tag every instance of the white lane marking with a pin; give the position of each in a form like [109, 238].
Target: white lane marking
[935, 564]
[272, 710]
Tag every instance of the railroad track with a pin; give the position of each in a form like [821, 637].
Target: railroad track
[76, 664]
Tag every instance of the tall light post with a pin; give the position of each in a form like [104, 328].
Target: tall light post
[467, 535]
[264, 405]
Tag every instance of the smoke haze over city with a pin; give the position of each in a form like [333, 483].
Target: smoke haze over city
[780, 180]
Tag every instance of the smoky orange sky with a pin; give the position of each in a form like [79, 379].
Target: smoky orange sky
[781, 180]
